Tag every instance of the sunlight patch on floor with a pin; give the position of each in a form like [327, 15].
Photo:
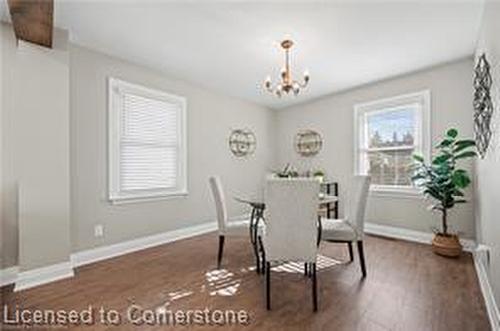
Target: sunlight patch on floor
[179, 295]
[323, 262]
[222, 282]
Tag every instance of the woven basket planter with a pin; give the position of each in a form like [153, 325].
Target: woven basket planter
[446, 245]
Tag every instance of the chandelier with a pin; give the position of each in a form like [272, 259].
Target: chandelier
[287, 83]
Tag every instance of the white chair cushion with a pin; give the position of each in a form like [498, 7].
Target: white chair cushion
[240, 228]
[337, 229]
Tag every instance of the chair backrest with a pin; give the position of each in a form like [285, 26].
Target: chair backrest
[358, 195]
[291, 219]
[220, 201]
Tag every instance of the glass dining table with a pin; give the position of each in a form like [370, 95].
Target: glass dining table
[258, 206]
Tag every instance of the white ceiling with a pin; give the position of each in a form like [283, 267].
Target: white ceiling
[232, 47]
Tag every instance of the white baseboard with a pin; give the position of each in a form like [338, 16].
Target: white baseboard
[410, 235]
[480, 261]
[8, 275]
[107, 252]
[35, 277]
[39, 276]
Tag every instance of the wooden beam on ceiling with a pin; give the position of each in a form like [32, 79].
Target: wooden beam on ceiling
[33, 20]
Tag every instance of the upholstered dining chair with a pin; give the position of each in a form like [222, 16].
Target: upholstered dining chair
[291, 233]
[226, 227]
[350, 229]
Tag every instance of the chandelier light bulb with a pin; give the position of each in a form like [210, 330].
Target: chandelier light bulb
[283, 73]
[267, 83]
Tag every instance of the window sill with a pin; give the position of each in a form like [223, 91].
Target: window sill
[120, 200]
[396, 192]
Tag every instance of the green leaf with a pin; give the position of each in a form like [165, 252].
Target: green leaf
[460, 178]
[449, 204]
[445, 143]
[418, 158]
[441, 158]
[433, 193]
[463, 144]
[418, 176]
[453, 133]
[466, 141]
[465, 155]
[442, 167]
[461, 201]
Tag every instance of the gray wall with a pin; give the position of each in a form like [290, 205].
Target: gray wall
[36, 130]
[8, 212]
[332, 116]
[488, 174]
[1, 146]
[210, 120]
[35, 152]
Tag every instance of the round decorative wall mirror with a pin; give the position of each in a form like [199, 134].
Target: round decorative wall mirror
[242, 142]
[308, 142]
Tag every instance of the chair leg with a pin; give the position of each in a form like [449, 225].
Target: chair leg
[268, 285]
[221, 250]
[351, 253]
[362, 258]
[252, 224]
[314, 287]
[308, 269]
[320, 230]
[262, 260]
[257, 258]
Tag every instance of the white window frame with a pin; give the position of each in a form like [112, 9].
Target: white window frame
[115, 194]
[423, 140]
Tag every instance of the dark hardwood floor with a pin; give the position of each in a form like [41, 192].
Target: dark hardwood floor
[407, 288]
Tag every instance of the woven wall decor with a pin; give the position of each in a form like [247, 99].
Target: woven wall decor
[242, 142]
[483, 106]
[308, 143]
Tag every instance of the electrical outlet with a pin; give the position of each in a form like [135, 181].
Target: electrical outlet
[98, 230]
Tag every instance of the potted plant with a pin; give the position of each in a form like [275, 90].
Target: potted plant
[319, 175]
[444, 182]
[287, 172]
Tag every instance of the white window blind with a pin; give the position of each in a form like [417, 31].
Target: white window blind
[147, 145]
[388, 133]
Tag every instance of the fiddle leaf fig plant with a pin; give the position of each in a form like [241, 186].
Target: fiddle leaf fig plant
[442, 178]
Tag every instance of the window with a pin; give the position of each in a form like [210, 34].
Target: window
[147, 144]
[388, 132]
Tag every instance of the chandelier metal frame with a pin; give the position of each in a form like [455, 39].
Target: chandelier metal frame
[287, 84]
